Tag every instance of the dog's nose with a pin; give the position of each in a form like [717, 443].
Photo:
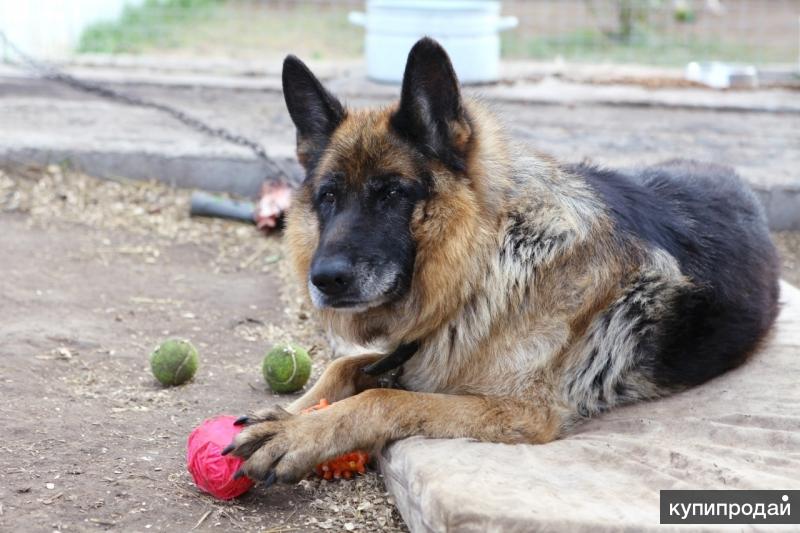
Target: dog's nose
[332, 276]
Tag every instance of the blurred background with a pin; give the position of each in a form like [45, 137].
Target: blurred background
[653, 32]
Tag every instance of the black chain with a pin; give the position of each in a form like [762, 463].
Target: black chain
[49, 72]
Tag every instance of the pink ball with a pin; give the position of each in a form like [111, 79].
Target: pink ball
[212, 472]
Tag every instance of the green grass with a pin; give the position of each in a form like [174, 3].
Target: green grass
[248, 30]
[229, 28]
[154, 24]
[592, 45]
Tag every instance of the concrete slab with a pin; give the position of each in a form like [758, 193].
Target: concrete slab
[556, 91]
[110, 140]
[47, 123]
[739, 431]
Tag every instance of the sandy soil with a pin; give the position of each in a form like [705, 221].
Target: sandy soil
[93, 275]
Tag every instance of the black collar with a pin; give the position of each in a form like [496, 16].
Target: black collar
[403, 353]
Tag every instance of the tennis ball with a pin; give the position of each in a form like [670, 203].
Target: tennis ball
[174, 362]
[286, 368]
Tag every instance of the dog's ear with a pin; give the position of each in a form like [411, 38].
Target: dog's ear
[430, 113]
[315, 112]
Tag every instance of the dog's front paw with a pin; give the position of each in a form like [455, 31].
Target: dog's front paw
[270, 414]
[278, 446]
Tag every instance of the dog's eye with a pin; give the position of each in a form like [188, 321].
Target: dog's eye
[393, 193]
[327, 197]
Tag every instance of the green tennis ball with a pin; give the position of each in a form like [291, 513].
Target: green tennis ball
[286, 368]
[174, 362]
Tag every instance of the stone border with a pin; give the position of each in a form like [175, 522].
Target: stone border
[238, 175]
[243, 176]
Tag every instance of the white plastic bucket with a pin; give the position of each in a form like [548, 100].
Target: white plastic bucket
[468, 29]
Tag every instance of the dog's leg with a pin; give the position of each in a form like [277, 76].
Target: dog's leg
[341, 379]
[289, 448]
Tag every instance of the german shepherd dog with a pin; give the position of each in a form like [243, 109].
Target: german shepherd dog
[514, 295]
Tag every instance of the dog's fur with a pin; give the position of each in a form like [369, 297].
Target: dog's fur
[539, 293]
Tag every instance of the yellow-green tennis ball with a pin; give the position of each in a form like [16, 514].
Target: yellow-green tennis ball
[174, 362]
[286, 368]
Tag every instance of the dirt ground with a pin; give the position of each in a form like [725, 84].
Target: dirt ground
[93, 275]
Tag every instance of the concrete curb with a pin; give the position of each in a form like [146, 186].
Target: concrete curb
[238, 175]
[243, 176]
[782, 205]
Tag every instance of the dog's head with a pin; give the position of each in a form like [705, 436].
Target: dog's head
[357, 221]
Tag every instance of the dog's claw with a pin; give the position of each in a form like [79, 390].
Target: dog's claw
[242, 420]
[238, 474]
[270, 479]
[228, 449]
